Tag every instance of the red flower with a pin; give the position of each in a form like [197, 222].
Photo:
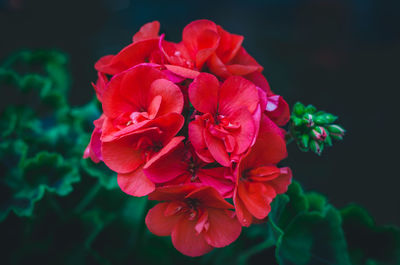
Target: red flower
[135, 97]
[203, 42]
[144, 49]
[225, 126]
[128, 154]
[100, 85]
[197, 218]
[258, 178]
[276, 107]
[181, 165]
[93, 150]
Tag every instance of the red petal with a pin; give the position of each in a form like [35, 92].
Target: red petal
[217, 149]
[114, 104]
[243, 215]
[209, 197]
[265, 173]
[182, 71]
[172, 97]
[243, 64]
[201, 39]
[147, 31]
[224, 228]
[136, 83]
[207, 44]
[121, 156]
[217, 67]
[135, 183]
[269, 148]
[215, 177]
[229, 45]
[168, 163]
[245, 135]
[259, 80]
[256, 198]
[282, 182]
[176, 53]
[197, 140]
[133, 54]
[173, 193]
[268, 126]
[281, 115]
[158, 223]
[203, 93]
[236, 93]
[240, 70]
[102, 64]
[187, 241]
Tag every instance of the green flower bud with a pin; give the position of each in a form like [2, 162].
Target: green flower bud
[325, 118]
[310, 109]
[316, 147]
[328, 140]
[336, 129]
[318, 133]
[305, 139]
[297, 121]
[308, 119]
[298, 109]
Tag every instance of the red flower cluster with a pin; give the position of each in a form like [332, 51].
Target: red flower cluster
[192, 124]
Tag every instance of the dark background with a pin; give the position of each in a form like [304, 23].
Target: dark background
[340, 55]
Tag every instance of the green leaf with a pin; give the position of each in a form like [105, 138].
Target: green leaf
[51, 171]
[307, 229]
[33, 177]
[105, 176]
[368, 243]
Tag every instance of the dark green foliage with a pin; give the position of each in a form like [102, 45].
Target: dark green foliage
[308, 230]
[368, 243]
[57, 208]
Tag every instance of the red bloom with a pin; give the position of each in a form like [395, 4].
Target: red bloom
[197, 218]
[203, 42]
[137, 96]
[93, 150]
[100, 85]
[148, 89]
[276, 107]
[225, 126]
[144, 49]
[258, 178]
[181, 165]
[128, 154]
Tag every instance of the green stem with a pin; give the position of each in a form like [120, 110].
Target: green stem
[56, 207]
[269, 242]
[88, 198]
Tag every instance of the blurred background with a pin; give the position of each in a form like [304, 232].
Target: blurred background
[340, 55]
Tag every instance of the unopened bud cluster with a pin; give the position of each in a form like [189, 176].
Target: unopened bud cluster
[313, 130]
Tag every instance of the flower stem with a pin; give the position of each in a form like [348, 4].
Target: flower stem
[88, 198]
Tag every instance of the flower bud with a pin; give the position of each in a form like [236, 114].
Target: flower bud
[319, 133]
[298, 109]
[308, 118]
[310, 109]
[305, 139]
[316, 147]
[297, 121]
[336, 131]
[328, 140]
[325, 118]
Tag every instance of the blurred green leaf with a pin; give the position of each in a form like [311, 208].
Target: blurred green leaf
[308, 231]
[368, 243]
